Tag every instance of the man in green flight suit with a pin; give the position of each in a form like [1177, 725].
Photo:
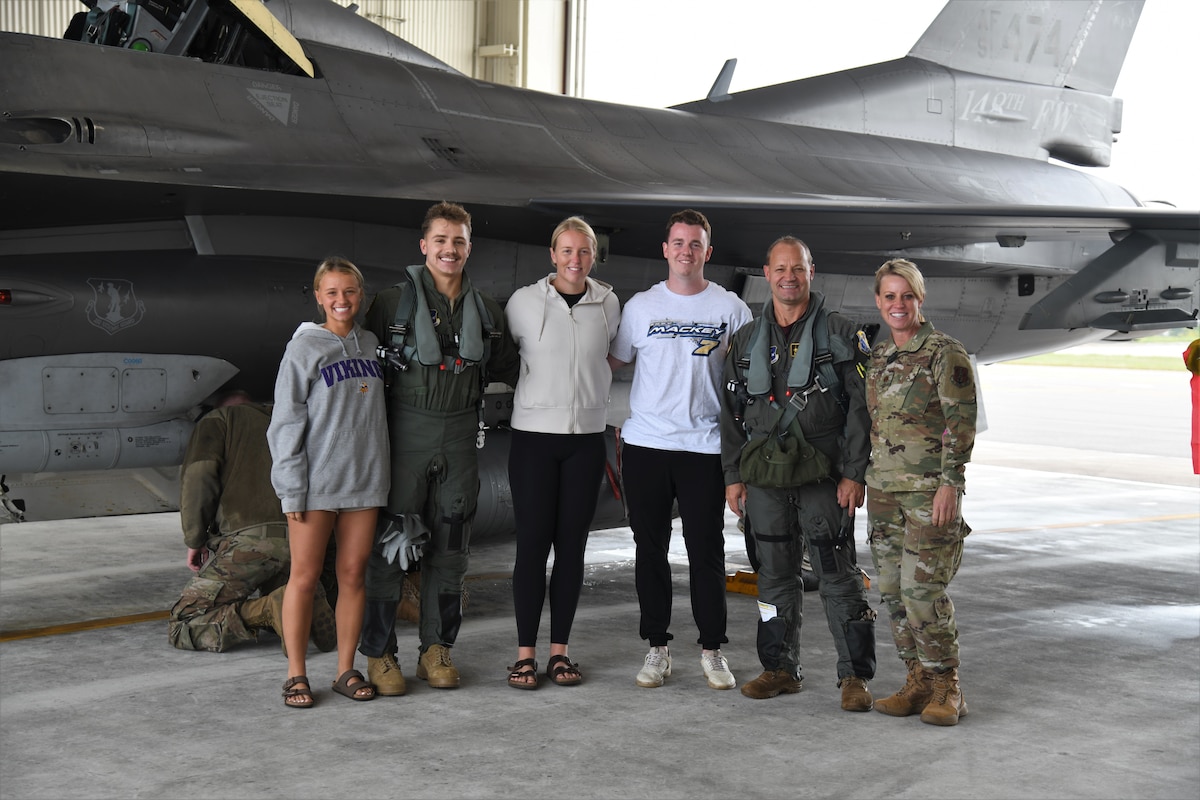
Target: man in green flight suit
[793, 377]
[443, 340]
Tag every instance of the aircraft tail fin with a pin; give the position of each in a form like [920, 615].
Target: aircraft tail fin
[1032, 79]
[1080, 45]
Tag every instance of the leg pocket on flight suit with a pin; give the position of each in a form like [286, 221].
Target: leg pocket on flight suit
[831, 551]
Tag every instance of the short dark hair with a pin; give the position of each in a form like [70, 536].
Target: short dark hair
[451, 212]
[689, 217]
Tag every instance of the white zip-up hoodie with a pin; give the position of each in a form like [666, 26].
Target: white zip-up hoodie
[565, 377]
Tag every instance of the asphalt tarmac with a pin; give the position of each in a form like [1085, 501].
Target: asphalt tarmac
[1078, 605]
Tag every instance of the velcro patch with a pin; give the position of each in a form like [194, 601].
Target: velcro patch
[961, 376]
[864, 346]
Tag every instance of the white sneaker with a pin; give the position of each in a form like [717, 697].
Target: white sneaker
[657, 667]
[716, 669]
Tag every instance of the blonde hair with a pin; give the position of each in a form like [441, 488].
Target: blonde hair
[334, 264]
[337, 264]
[903, 268]
[579, 226]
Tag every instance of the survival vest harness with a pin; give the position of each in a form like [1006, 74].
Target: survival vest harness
[812, 367]
[412, 335]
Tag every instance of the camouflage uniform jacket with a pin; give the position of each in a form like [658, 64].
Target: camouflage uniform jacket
[225, 480]
[922, 402]
[842, 435]
[431, 388]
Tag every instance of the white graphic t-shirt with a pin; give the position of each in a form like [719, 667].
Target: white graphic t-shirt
[679, 344]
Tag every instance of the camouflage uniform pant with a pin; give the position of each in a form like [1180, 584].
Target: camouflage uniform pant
[915, 562]
[207, 615]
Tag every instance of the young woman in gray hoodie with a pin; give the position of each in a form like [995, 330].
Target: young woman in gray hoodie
[330, 468]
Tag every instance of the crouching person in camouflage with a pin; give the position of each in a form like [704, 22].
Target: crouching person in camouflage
[921, 396]
[236, 536]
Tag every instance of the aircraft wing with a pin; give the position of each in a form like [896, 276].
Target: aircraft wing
[169, 188]
[745, 226]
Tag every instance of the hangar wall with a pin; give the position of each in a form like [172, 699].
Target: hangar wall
[537, 44]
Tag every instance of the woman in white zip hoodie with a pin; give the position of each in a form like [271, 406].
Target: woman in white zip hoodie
[563, 325]
[330, 468]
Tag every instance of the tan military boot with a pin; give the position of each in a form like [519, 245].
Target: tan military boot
[324, 623]
[771, 683]
[947, 703]
[436, 667]
[385, 673]
[855, 694]
[409, 609]
[912, 697]
[265, 613]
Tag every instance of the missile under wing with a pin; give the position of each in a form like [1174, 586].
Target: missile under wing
[171, 177]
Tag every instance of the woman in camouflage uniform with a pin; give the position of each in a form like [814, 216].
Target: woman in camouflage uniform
[921, 398]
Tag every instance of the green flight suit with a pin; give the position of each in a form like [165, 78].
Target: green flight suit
[433, 422]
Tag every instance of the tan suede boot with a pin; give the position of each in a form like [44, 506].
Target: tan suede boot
[855, 694]
[324, 623]
[436, 667]
[947, 703]
[912, 697]
[409, 609]
[385, 673]
[265, 613]
[772, 683]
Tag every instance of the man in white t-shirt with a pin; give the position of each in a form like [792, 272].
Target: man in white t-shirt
[678, 332]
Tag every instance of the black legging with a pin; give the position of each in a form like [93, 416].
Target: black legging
[555, 481]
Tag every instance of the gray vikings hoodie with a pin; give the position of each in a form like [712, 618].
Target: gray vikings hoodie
[328, 432]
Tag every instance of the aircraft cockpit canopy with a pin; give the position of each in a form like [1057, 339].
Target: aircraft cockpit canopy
[235, 32]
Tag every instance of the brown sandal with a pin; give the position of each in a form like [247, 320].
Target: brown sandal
[346, 689]
[520, 672]
[303, 697]
[566, 673]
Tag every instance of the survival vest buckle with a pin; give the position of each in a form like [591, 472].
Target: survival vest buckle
[799, 400]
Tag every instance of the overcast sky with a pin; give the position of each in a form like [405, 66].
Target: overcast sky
[662, 52]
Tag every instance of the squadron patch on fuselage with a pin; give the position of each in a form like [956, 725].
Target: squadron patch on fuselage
[114, 306]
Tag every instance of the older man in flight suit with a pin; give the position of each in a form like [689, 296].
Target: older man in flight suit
[794, 376]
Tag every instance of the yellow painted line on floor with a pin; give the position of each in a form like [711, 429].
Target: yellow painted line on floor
[149, 616]
[76, 627]
[1090, 523]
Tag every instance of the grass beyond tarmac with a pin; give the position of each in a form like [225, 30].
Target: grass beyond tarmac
[1124, 360]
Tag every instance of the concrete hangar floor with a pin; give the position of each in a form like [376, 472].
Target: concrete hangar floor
[1078, 601]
